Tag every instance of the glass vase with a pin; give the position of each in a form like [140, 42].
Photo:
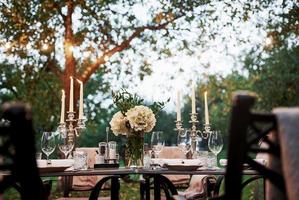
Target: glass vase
[134, 149]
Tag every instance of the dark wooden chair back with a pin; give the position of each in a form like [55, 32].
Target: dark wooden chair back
[17, 152]
[247, 128]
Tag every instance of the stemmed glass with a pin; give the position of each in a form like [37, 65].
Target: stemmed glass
[157, 142]
[184, 142]
[48, 144]
[65, 145]
[215, 142]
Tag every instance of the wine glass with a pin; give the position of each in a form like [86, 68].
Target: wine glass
[157, 142]
[65, 144]
[48, 144]
[215, 142]
[184, 142]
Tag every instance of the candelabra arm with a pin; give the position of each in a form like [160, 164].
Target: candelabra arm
[179, 127]
[206, 132]
[193, 132]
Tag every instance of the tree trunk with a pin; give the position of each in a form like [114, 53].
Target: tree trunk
[70, 63]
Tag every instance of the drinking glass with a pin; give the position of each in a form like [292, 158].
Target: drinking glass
[48, 144]
[80, 160]
[184, 141]
[215, 142]
[103, 148]
[112, 149]
[65, 144]
[157, 142]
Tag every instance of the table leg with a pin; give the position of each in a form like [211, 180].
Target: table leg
[147, 188]
[115, 188]
[264, 187]
[157, 190]
[66, 185]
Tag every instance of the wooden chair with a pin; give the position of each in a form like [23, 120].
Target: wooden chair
[247, 128]
[17, 153]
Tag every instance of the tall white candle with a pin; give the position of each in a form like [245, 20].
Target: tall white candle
[81, 100]
[193, 98]
[62, 107]
[178, 106]
[71, 105]
[206, 109]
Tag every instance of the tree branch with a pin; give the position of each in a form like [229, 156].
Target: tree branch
[56, 5]
[51, 66]
[125, 44]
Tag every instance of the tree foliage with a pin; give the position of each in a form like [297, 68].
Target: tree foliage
[275, 78]
[44, 42]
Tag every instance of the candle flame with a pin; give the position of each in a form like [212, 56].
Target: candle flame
[63, 93]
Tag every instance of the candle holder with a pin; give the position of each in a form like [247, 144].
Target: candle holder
[61, 128]
[179, 127]
[80, 126]
[193, 131]
[206, 132]
[73, 130]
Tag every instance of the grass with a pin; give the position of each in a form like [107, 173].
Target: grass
[127, 191]
[253, 191]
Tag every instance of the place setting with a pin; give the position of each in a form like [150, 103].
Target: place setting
[49, 142]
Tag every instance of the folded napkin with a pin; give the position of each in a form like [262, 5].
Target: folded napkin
[169, 154]
[288, 138]
[177, 179]
[197, 188]
[172, 152]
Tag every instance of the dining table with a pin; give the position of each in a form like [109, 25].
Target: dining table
[147, 173]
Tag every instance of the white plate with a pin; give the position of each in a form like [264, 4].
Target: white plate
[182, 167]
[56, 165]
[223, 162]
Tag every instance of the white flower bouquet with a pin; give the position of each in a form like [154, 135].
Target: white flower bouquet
[133, 116]
[133, 120]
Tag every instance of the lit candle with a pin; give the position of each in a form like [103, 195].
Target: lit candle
[81, 100]
[62, 107]
[71, 106]
[178, 106]
[206, 109]
[193, 98]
